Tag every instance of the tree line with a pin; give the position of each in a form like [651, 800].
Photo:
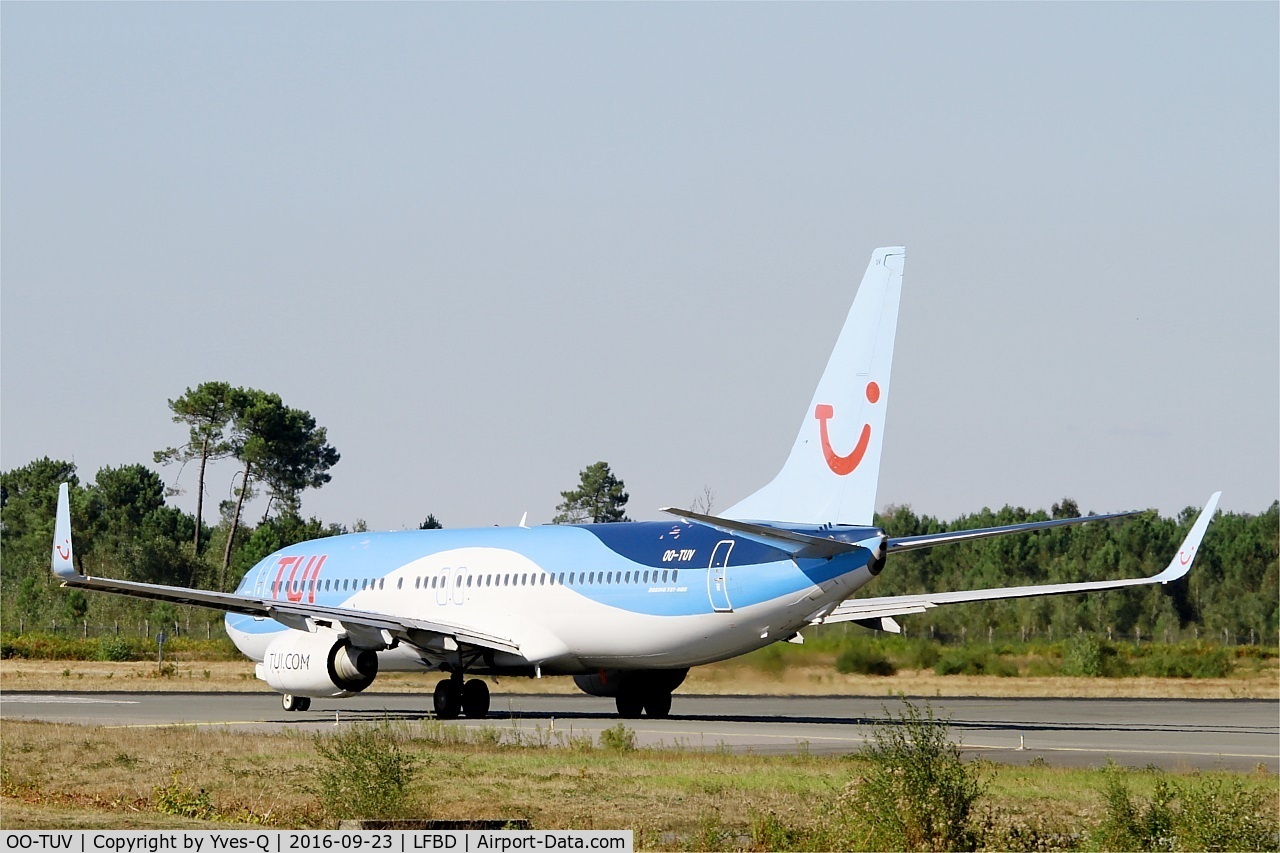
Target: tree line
[125, 528]
[1233, 589]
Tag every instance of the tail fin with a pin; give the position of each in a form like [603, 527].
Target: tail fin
[831, 473]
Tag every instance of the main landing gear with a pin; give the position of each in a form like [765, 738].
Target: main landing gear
[295, 703]
[652, 699]
[454, 695]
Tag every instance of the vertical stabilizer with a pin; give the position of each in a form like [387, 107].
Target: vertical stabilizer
[831, 473]
[63, 561]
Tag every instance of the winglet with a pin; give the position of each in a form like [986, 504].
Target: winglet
[63, 560]
[1181, 563]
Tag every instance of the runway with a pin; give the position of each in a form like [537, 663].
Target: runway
[1172, 734]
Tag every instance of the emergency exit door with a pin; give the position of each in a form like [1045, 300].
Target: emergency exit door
[718, 577]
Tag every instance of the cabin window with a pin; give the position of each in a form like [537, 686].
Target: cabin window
[674, 574]
[468, 580]
[382, 583]
[458, 581]
[664, 575]
[399, 583]
[646, 577]
[542, 580]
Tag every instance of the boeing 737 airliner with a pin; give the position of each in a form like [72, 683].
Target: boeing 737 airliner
[624, 608]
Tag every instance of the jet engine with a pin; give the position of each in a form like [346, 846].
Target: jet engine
[317, 665]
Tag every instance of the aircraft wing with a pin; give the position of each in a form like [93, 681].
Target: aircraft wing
[882, 609]
[370, 625]
[928, 540]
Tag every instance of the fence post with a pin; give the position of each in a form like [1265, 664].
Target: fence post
[86, 629]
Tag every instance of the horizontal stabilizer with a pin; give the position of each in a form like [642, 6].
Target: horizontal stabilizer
[799, 545]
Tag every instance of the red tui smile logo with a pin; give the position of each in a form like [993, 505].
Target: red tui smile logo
[843, 465]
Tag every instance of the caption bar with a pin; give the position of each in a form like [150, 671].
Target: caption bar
[298, 841]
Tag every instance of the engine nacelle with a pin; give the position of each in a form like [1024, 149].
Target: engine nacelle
[608, 682]
[317, 665]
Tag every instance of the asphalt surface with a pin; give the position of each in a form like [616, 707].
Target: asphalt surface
[1172, 734]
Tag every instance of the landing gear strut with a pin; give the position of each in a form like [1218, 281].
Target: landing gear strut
[453, 696]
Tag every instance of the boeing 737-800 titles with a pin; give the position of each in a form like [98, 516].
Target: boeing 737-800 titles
[625, 608]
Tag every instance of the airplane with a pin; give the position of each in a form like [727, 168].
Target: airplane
[624, 608]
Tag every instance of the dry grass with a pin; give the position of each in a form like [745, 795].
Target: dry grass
[17, 675]
[67, 776]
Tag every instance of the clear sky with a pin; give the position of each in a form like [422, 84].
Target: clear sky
[486, 245]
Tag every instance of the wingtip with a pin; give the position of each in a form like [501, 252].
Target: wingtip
[1190, 547]
[62, 560]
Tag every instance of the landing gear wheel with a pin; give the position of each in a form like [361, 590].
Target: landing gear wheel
[475, 699]
[295, 703]
[658, 704]
[630, 705]
[448, 700]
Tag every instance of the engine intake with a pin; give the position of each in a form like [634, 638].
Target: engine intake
[317, 665]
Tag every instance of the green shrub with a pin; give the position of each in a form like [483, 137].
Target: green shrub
[618, 737]
[114, 648]
[916, 794]
[970, 660]
[1205, 814]
[1224, 815]
[364, 774]
[771, 660]
[1182, 661]
[864, 659]
[183, 801]
[43, 646]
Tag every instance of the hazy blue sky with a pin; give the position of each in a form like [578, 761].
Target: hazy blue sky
[488, 245]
